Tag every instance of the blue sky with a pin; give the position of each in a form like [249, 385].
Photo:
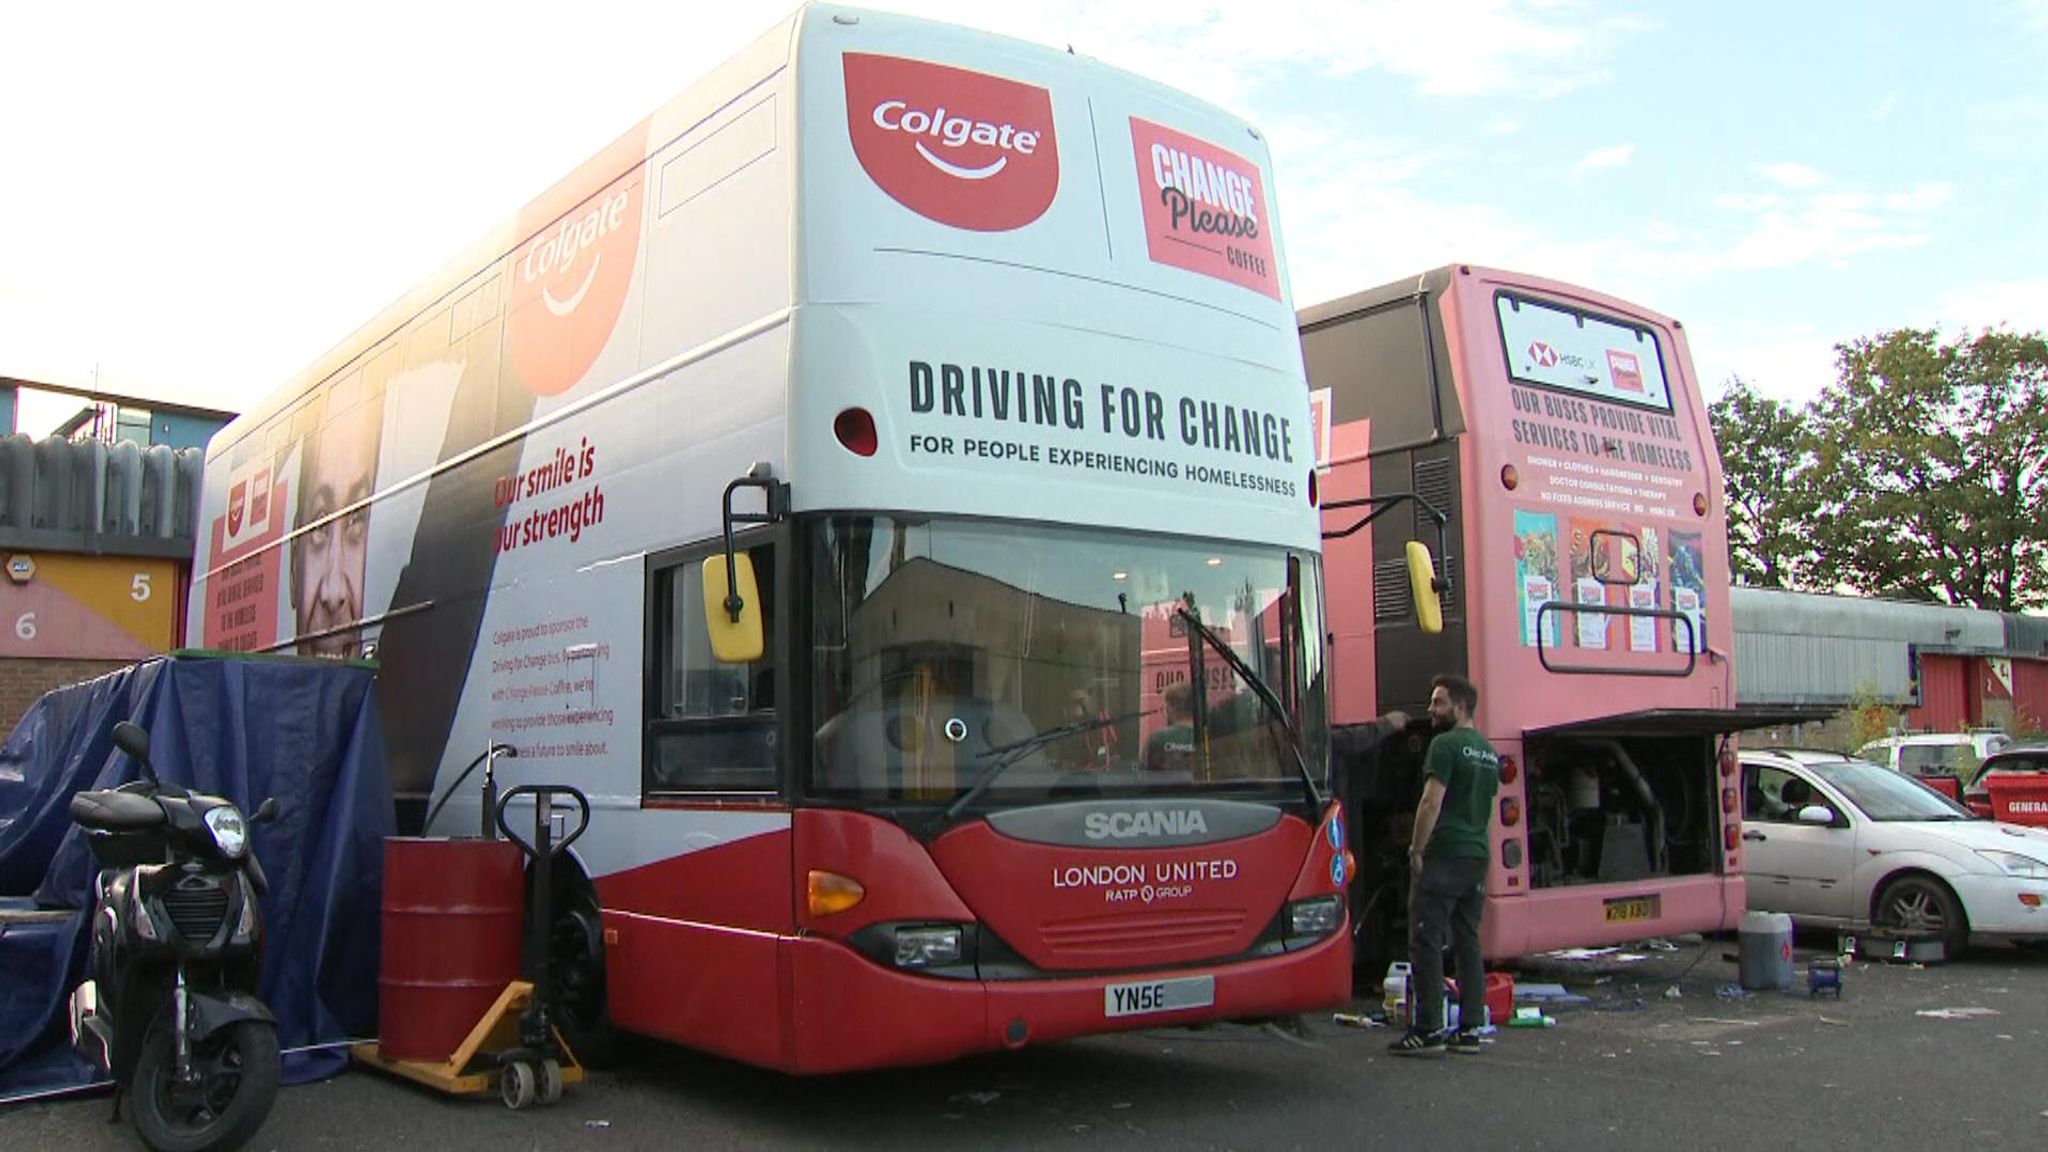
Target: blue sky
[202, 200]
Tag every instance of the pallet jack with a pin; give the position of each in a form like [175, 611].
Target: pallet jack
[514, 1046]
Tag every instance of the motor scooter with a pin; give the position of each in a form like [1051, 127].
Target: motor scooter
[171, 1011]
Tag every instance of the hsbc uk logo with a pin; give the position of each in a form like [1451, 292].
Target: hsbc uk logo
[966, 149]
[1542, 355]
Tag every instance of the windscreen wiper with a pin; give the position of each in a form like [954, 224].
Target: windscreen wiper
[1266, 696]
[1015, 751]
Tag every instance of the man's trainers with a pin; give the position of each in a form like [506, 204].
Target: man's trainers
[1464, 1044]
[1413, 1043]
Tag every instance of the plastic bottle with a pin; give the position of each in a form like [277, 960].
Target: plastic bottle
[1394, 992]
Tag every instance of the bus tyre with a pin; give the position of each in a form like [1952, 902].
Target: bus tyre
[576, 961]
[1916, 903]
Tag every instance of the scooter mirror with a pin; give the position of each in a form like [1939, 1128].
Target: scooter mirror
[132, 739]
[265, 812]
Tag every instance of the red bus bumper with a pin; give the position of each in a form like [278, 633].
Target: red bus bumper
[850, 1013]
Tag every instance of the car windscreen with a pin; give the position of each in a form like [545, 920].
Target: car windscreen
[1886, 796]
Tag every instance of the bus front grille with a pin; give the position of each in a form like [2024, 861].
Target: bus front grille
[1109, 937]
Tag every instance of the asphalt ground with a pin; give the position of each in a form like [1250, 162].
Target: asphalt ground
[1634, 1067]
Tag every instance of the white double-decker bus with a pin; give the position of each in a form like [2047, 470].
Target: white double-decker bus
[842, 479]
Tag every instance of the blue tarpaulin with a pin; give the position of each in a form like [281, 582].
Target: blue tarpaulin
[302, 731]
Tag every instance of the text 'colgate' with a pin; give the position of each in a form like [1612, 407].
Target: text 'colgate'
[963, 148]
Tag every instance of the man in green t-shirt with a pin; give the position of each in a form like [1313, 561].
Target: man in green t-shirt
[1447, 860]
[1172, 748]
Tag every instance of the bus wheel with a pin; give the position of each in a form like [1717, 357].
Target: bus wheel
[576, 961]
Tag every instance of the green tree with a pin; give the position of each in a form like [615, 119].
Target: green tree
[1930, 476]
[1767, 458]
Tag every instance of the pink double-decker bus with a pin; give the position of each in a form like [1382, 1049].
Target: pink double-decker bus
[1554, 443]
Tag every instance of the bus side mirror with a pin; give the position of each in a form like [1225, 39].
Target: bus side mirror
[733, 641]
[1429, 607]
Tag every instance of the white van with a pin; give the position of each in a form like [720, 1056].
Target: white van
[1934, 753]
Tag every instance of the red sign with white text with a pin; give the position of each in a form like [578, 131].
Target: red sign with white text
[1205, 208]
[1626, 370]
[242, 597]
[963, 148]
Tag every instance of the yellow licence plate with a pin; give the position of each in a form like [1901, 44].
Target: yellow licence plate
[1632, 908]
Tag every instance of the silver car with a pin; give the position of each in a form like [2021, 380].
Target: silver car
[1842, 843]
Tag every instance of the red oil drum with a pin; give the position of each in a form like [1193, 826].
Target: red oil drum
[453, 911]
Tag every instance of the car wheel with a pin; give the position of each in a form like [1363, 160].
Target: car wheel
[1917, 903]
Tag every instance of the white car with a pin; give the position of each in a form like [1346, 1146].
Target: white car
[1842, 843]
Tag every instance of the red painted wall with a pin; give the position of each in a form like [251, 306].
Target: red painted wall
[2030, 694]
[1947, 699]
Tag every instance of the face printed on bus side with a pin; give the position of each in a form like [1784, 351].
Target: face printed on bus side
[338, 469]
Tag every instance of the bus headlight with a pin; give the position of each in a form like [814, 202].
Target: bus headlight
[1317, 917]
[927, 947]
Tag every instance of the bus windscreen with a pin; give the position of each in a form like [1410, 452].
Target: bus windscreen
[1552, 346]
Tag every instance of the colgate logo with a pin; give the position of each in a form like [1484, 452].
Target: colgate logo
[237, 497]
[556, 253]
[568, 283]
[963, 148]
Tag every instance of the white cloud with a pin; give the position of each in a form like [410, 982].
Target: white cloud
[1789, 175]
[1921, 199]
[1782, 229]
[2021, 305]
[1610, 157]
[2031, 16]
[1790, 363]
[1365, 215]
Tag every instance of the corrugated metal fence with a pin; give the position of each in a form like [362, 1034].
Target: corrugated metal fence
[89, 497]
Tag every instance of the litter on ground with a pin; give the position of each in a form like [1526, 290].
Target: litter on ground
[1955, 1013]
